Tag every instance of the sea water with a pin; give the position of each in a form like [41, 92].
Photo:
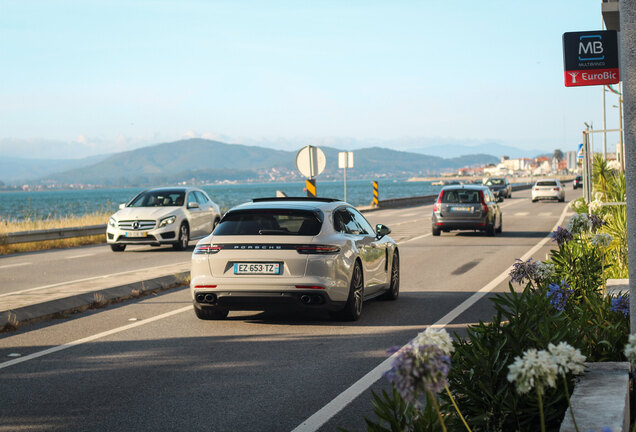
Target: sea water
[60, 203]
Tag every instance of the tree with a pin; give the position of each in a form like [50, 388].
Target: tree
[558, 155]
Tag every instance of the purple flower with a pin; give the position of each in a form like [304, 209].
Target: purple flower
[559, 294]
[596, 221]
[561, 236]
[417, 369]
[620, 304]
[524, 270]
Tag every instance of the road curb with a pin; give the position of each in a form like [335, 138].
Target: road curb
[73, 304]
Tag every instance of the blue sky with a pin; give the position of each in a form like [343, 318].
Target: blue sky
[90, 77]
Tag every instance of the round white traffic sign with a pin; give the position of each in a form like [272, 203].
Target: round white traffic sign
[311, 161]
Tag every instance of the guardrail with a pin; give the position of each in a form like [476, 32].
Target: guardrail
[51, 234]
[64, 233]
[426, 199]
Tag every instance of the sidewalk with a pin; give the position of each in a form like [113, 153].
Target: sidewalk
[31, 306]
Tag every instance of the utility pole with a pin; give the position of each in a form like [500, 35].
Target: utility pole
[620, 126]
[604, 127]
[627, 12]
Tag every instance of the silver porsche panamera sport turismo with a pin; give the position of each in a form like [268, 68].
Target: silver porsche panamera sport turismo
[283, 253]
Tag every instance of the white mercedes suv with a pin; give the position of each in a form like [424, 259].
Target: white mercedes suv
[171, 215]
[281, 253]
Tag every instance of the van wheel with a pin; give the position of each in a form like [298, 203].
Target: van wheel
[500, 229]
[117, 247]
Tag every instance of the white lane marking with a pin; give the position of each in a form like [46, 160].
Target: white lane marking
[522, 214]
[14, 265]
[411, 221]
[415, 238]
[323, 415]
[89, 279]
[545, 214]
[411, 214]
[91, 338]
[80, 256]
[510, 204]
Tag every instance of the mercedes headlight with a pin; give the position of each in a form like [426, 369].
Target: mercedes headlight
[112, 222]
[167, 221]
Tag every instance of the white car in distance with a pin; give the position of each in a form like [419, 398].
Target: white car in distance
[170, 215]
[548, 189]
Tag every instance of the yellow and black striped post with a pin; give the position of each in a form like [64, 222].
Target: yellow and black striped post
[311, 188]
[376, 202]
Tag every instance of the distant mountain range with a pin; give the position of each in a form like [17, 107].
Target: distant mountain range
[19, 170]
[441, 147]
[200, 160]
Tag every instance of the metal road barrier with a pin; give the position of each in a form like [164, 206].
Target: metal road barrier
[426, 199]
[51, 234]
[64, 233]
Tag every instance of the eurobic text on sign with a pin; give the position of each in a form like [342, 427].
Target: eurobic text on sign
[590, 58]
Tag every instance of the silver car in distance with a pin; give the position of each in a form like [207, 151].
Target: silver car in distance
[284, 253]
[171, 215]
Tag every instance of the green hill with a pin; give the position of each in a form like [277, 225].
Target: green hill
[200, 160]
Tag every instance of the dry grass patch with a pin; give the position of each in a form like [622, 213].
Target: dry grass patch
[34, 224]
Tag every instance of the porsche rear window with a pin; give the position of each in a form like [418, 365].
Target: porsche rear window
[270, 222]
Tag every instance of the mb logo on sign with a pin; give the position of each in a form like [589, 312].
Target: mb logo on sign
[590, 58]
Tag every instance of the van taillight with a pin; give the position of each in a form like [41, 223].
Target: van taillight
[436, 207]
[484, 207]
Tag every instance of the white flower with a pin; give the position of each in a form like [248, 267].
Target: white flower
[598, 196]
[535, 369]
[545, 270]
[439, 338]
[579, 223]
[578, 204]
[602, 240]
[596, 206]
[567, 358]
[630, 348]
[614, 165]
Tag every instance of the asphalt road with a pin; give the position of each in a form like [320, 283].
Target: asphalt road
[150, 364]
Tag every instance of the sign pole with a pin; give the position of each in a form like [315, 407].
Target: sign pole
[345, 182]
[628, 45]
[587, 177]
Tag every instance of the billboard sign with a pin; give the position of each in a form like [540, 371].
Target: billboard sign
[590, 58]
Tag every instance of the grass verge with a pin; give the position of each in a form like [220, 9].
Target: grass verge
[33, 223]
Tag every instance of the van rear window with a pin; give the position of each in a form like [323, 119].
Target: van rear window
[270, 222]
[461, 196]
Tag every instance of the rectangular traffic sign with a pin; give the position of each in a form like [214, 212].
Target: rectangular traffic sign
[590, 58]
[345, 159]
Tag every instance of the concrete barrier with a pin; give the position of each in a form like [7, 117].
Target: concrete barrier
[600, 399]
